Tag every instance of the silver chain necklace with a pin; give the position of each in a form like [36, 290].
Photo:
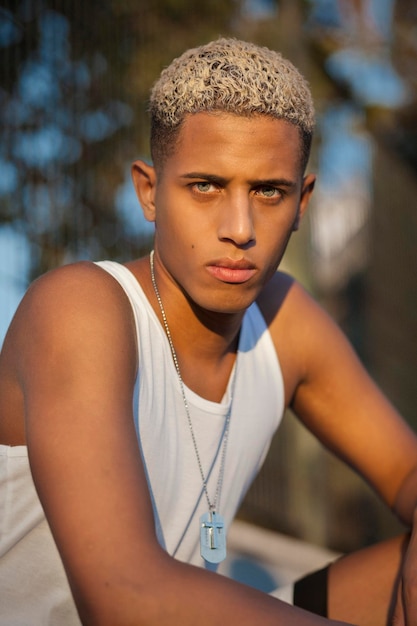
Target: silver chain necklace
[212, 527]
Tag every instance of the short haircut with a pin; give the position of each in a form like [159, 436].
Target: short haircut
[231, 76]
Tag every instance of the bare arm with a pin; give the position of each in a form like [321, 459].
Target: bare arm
[74, 335]
[335, 397]
[365, 429]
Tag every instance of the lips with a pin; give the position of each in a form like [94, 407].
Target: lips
[229, 271]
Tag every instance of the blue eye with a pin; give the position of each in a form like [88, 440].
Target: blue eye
[268, 192]
[204, 187]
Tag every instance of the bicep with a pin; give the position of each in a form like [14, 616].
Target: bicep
[78, 371]
[340, 403]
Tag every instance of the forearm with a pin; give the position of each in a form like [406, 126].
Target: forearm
[182, 594]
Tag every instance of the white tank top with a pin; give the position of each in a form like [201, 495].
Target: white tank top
[164, 435]
[33, 584]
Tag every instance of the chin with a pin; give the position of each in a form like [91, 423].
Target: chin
[229, 304]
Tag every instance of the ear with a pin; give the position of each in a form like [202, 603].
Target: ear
[144, 180]
[306, 192]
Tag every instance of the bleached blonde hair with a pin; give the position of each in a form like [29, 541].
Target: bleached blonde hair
[231, 76]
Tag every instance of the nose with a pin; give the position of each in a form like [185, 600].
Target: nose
[236, 220]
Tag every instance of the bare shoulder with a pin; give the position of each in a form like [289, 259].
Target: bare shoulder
[299, 327]
[73, 310]
[69, 299]
[286, 304]
[69, 319]
[72, 282]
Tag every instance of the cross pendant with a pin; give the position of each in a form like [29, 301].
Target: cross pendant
[212, 537]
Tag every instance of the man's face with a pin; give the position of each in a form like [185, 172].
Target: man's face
[226, 203]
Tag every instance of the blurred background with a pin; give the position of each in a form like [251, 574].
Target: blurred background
[74, 83]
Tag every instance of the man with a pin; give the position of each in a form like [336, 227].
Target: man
[145, 395]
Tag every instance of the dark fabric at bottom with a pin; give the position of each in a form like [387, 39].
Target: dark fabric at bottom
[310, 592]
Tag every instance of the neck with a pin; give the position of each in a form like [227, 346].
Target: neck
[204, 343]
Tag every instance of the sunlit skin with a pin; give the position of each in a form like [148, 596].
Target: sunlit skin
[227, 202]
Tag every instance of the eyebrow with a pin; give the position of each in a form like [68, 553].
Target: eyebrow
[220, 180]
[213, 178]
